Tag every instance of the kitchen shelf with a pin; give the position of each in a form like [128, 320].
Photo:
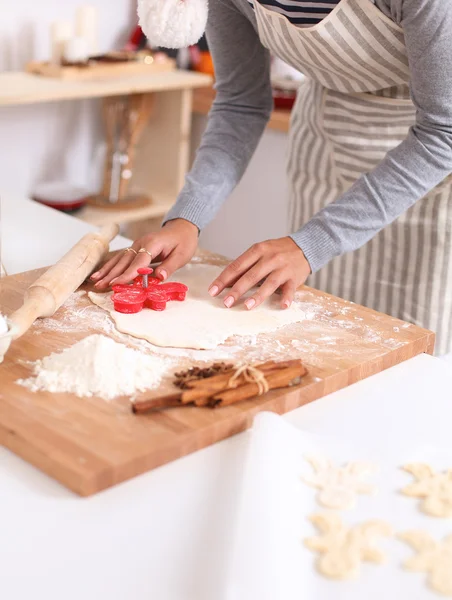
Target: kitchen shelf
[161, 203]
[18, 87]
[163, 153]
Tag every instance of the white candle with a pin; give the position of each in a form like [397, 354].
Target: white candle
[60, 32]
[87, 26]
[76, 50]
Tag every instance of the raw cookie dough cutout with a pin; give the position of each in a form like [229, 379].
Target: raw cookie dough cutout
[434, 558]
[339, 486]
[434, 488]
[342, 549]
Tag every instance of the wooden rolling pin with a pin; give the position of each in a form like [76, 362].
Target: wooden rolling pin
[45, 296]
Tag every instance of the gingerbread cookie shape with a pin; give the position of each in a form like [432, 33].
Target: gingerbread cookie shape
[434, 488]
[434, 558]
[339, 486]
[342, 549]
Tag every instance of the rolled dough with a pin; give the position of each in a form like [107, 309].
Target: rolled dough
[201, 322]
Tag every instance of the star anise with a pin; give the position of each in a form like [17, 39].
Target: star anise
[195, 373]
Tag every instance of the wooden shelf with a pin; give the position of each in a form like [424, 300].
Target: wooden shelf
[25, 88]
[162, 156]
[161, 203]
[203, 98]
[100, 70]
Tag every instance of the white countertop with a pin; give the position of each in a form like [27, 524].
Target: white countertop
[34, 236]
[166, 534]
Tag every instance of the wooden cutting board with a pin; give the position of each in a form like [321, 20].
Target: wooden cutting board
[89, 444]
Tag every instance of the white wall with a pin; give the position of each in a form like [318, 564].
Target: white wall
[257, 209]
[50, 140]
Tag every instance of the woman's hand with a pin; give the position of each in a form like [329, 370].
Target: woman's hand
[280, 263]
[174, 245]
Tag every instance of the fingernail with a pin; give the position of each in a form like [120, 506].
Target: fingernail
[214, 291]
[96, 285]
[250, 303]
[163, 274]
[287, 304]
[113, 280]
[229, 301]
[94, 275]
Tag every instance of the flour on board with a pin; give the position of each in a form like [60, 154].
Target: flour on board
[97, 366]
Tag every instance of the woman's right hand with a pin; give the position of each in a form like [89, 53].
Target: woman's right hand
[174, 246]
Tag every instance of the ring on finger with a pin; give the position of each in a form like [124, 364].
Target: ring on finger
[130, 250]
[143, 250]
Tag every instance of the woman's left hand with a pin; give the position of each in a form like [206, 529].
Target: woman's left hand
[280, 263]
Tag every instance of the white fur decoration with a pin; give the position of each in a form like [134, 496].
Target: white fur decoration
[173, 23]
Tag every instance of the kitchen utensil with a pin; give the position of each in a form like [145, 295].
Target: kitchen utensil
[45, 296]
[147, 292]
[125, 119]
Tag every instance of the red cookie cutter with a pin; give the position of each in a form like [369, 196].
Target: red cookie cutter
[146, 292]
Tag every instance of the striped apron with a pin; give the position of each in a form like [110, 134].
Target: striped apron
[353, 107]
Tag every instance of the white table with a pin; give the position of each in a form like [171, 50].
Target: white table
[34, 236]
[165, 535]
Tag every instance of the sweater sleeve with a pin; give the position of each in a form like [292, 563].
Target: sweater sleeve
[413, 168]
[238, 116]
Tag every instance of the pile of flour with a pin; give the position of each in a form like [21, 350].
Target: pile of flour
[98, 366]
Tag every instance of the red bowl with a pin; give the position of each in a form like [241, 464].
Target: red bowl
[66, 207]
[60, 196]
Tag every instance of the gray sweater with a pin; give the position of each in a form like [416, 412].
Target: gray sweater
[243, 106]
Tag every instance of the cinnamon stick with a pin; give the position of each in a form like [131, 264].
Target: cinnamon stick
[146, 406]
[209, 387]
[216, 390]
[275, 379]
